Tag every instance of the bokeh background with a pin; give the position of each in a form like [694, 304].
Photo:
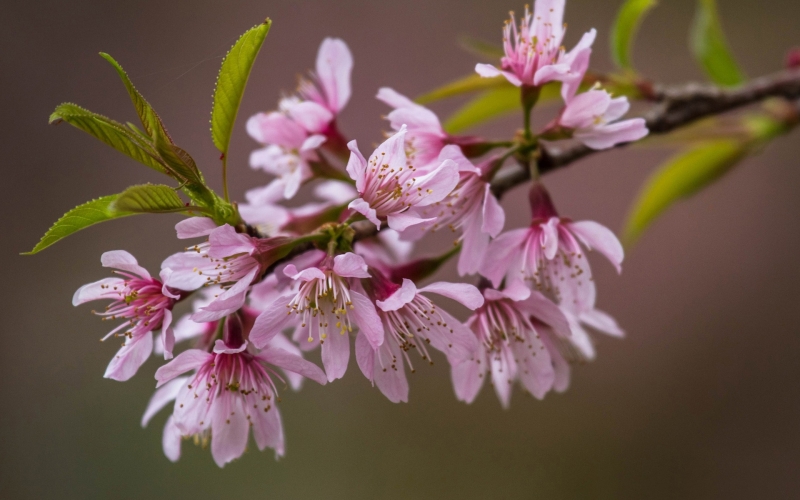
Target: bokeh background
[701, 400]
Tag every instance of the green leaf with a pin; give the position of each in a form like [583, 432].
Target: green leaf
[150, 198]
[180, 164]
[629, 18]
[710, 47]
[680, 177]
[110, 132]
[481, 48]
[231, 82]
[82, 216]
[471, 83]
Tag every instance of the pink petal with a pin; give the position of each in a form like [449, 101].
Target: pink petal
[311, 116]
[334, 65]
[265, 195]
[183, 276]
[276, 128]
[167, 334]
[165, 290]
[356, 166]
[293, 363]
[535, 369]
[516, 291]
[548, 18]
[400, 297]
[464, 293]
[601, 322]
[489, 71]
[418, 119]
[361, 206]
[365, 357]
[161, 398]
[268, 430]
[130, 357]
[366, 318]
[436, 185]
[467, 376]
[194, 227]
[171, 440]
[188, 360]
[225, 241]
[402, 221]
[502, 377]
[550, 238]
[547, 312]
[598, 237]
[271, 322]
[608, 136]
[122, 260]
[220, 347]
[312, 143]
[229, 428]
[494, 218]
[350, 265]
[335, 355]
[475, 244]
[503, 249]
[335, 192]
[550, 72]
[103, 289]
[584, 108]
[390, 375]
[394, 98]
[393, 150]
[454, 153]
[617, 108]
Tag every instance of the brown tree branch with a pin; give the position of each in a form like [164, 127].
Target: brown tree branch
[679, 105]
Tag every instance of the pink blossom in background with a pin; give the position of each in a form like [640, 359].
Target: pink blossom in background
[592, 116]
[425, 136]
[230, 391]
[512, 327]
[548, 257]
[303, 123]
[391, 189]
[412, 321]
[145, 304]
[470, 208]
[533, 52]
[324, 309]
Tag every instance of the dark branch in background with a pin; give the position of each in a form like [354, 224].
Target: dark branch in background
[679, 105]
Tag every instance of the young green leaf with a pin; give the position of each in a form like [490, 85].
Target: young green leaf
[629, 18]
[680, 177]
[181, 165]
[471, 83]
[82, 216]
[231, 83]
[710, 47]
[150, 198]
[110, 132]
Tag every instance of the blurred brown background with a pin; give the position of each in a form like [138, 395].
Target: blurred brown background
[701, 400]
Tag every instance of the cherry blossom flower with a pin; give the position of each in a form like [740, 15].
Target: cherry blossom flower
[411, 321]
[512, 327]
[228, 261]
[534, 54]
[230, 391]
[303, 123]
[145, 304]
[391, 189]
[548, 256]
[425, 136]
[326, 308]
[592, 117]
[289, 149]
[470, 207]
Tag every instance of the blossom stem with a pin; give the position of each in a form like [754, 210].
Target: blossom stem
[224, 159]
[528, 95]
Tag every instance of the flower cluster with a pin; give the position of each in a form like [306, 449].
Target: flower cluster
[273, 283]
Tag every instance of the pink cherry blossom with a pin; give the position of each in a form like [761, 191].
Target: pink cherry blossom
[425, 136]
[592, 116]
[534, 54]
[228, 261]
[411, 321]
[325, 308]
[289, 149]
[470, 208]
[230, 391]
[145, 304]
[330, 84]
[548, 256]
[391, 189]
[512, 327]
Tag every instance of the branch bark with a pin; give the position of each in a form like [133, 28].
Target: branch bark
[678, 105]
